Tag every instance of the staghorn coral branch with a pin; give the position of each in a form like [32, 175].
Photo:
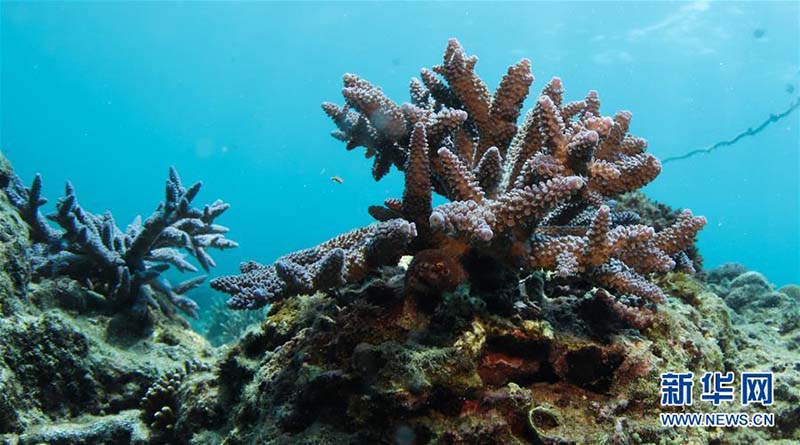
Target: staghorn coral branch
[459, 71]
[546, 187]
[506, 106]
[440, 92]
[461, 183]
[527, 204]
[526, 143]
[467, 219]
[125, 265]
[558, 253]
[599, 246]
[625, 175]
[28, 201]
[489, 171]
[551, 128]
[419, 93]
[570, 110]
[416, 203]
[616, 135]
[464, 146]
[616, 275]
[344, 259]
[186, 286]
[635, 317]
[443, 122]
[555, 91]
[580, 150]
[384, 115]
[680, 235]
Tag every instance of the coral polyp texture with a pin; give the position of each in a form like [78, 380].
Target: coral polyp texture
[535, 196]
[344, 259]
[539, 195]
[124, 265]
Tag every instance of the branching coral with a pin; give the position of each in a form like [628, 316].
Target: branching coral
[124, 265]
[535, 196]
[539, 195]
[344, 259]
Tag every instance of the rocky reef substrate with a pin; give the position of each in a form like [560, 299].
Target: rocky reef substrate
[381, 370]
[363, 364]
[71, 372]
[459, 345]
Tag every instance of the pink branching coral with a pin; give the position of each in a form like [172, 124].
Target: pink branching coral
[346, 258]
[546, 187]
[536, 196]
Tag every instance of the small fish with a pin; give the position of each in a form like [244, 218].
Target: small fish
[789, 88]
[337, 179]
[759, 33]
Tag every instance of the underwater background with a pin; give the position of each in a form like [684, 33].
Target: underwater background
[542, 298]
[109, 95]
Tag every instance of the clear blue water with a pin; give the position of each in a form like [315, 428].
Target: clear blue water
[109, 95]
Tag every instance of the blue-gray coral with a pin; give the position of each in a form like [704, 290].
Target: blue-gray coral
[125, 265]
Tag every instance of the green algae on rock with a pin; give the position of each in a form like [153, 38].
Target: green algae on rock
[59, 364]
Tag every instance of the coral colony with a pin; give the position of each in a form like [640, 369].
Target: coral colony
[510, 320]
[126, 266]
[344, 259]
[538, 196]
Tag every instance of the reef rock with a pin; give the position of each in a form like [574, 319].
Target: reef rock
[380, 369]
[14, 243]
[70, 373]
[539, 306]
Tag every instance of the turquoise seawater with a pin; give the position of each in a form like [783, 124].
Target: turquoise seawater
[109, 95]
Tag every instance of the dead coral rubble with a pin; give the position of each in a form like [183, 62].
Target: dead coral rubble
[535, 196]
[124, 265]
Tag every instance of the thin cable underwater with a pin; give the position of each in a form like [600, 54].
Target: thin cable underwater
[773, 118]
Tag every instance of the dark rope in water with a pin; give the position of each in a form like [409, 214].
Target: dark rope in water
[773, 118]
